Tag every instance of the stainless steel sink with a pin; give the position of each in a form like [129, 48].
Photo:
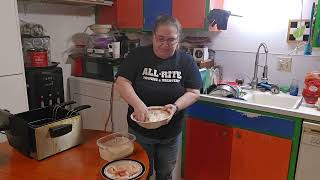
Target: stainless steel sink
[274, 100]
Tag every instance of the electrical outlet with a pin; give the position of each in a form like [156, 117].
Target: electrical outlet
[284, 63]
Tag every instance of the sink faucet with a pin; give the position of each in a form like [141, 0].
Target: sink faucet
[254, 81]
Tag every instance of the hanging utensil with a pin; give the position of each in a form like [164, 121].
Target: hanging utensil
[220, 18]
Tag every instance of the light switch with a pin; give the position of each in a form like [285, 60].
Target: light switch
[284, 63]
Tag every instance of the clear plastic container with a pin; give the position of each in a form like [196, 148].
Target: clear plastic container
[116, 146]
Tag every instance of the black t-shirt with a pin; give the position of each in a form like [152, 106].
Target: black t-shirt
[159, 82]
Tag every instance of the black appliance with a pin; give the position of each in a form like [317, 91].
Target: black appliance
[44, 86]
[102, 68]
[43, 132]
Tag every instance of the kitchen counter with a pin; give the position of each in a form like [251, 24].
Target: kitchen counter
[249, 134]
[302, 112]
[82, 162]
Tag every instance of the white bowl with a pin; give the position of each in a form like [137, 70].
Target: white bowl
[152, 124]
[116, 146]
[100, 28]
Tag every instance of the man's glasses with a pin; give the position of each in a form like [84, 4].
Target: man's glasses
[162, 39]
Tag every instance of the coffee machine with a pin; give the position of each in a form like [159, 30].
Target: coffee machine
[44, 86]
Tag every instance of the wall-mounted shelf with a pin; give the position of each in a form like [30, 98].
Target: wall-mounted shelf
[73, 2]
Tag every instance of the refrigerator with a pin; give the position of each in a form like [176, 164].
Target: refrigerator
[13, 94]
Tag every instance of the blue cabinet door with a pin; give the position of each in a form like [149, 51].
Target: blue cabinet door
[154, 8]
[257, 122]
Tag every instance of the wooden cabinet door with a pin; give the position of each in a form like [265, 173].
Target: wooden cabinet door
[126, 14]
[208, 150]
[96, 116]
[107, 14]
[154, 8]
[259, 156]
[190, 13]
[130, 14]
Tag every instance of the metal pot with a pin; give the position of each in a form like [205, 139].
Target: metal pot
[226, 90]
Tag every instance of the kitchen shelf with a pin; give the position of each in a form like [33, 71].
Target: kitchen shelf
[72, 2]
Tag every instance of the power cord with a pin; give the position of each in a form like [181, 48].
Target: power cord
[110, 110]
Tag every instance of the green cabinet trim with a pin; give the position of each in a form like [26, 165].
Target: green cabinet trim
[206, 24]
[295, 149]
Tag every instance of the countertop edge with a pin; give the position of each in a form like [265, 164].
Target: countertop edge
[299, 113]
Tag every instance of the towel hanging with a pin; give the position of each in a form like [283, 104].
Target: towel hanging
[220, 18]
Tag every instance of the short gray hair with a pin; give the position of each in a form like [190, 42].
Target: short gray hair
[167, 20]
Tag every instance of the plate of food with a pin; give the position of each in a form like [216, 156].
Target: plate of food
[128, 169]
[157, 116]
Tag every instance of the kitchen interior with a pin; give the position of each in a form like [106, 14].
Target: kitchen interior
[259, 111]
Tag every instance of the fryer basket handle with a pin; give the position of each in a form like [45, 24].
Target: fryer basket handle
[60, 130]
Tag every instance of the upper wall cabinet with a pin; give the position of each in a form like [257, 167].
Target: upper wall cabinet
[125, 14]
[141, 14]
[73, 2]
[130, 13]
[153, 8]
[190, 13]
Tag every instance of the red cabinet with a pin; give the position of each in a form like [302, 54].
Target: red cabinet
[131, 14]
[224, 153]
[190, 13]
[208, 150]
[125, 14]
[259, 156]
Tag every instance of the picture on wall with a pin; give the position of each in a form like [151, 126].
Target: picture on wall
[298, 30]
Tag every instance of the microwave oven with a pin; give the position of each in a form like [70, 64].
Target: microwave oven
[101, 68]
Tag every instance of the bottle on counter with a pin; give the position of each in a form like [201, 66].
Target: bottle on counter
[285, 89]
[294, 87]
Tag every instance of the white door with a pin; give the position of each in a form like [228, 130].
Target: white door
[13, 93]
[309, 160]
[95, 117]
[11, 61]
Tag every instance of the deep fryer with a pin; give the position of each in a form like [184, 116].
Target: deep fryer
[43, 132]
